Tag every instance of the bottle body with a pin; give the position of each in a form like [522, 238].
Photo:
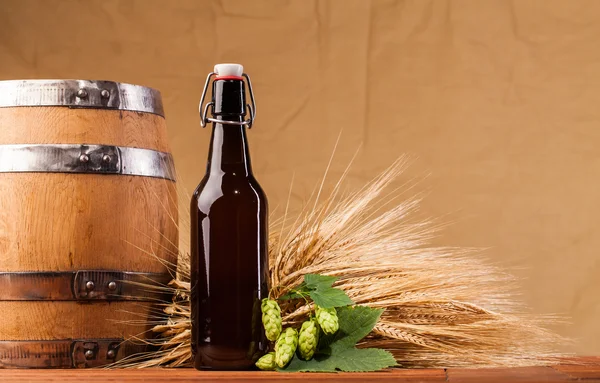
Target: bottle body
[229, 257]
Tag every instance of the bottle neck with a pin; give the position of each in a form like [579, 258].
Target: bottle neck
[229, 149]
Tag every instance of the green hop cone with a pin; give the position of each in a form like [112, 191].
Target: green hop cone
[308, 339]
[267, 362]
[328, 319]
[271, 318]
[285, 347]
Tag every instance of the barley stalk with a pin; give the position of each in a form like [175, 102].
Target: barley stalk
[443, 306]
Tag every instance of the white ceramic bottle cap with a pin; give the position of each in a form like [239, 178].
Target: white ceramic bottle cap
[229, 70]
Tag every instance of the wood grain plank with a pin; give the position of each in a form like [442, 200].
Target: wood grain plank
[190, 375]
[70, 222]
[581, 368]
[66, 222]
[527, 374]
[522, 374]
[71, 320]
[62, 125]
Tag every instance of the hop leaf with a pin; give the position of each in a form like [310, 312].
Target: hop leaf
[340, 352]
[285, 347]
[308, 339]
[267, 362]
[271, 318]
[328, 319]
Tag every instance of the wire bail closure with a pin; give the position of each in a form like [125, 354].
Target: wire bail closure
[204, 119]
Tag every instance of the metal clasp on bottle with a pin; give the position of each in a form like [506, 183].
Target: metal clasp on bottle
[204, 119]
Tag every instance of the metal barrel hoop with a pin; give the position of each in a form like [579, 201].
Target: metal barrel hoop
[92, 159]
[81, 94]
[65, 353]
[83, 286]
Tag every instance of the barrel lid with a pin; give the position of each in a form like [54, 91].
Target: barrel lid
[81, 94]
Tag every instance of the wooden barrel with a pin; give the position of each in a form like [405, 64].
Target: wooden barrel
[88, 219]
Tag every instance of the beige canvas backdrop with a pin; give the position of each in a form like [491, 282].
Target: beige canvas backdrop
[497, 99]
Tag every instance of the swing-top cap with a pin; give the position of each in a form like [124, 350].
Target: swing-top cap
[229, 70]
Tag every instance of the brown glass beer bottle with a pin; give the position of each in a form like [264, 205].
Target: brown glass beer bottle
[228, 235]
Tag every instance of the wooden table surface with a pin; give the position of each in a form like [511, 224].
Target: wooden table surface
[585, 370]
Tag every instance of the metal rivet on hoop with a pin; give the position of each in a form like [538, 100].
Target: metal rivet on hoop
[105, 93]
[112, 285]
[106, 158]
[84, 158]
[89, 354]
[90, 285]
[110, 354]
[82, 93]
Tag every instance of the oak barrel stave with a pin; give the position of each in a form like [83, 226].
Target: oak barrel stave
[64, 222]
